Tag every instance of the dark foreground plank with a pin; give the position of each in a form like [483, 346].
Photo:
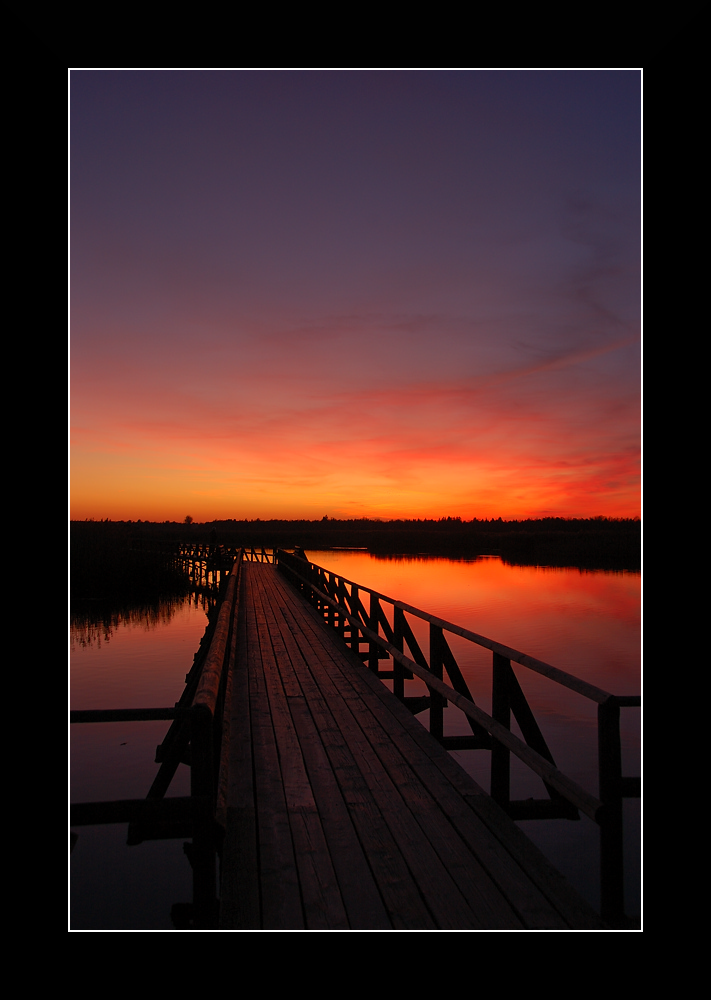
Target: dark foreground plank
[342, 812]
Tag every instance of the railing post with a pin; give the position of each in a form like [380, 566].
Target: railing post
[324, 608]
[398, 641]
[436, 668]
[341, 598]
[612, 903]
[355, 634]
[501, 711]
[373, 624]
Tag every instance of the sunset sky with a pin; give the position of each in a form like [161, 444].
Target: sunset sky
[381, 293]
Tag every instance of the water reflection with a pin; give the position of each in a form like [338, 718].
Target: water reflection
[95, 622]
[127, 657]
[584, 622]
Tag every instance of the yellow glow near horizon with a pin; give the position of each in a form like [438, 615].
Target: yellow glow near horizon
[119, 490]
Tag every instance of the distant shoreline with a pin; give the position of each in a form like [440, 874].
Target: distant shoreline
[131, 554]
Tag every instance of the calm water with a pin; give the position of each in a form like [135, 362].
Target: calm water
[138, 662]
[587, 623]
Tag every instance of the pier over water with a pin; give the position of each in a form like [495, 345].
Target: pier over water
[321, 800]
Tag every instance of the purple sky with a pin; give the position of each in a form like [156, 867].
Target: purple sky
[355, 293]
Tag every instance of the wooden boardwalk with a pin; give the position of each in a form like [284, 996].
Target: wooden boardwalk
[341, 811]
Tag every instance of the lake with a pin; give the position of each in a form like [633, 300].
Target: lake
[584, 622]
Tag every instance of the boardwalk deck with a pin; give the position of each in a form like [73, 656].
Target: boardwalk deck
[341, 811]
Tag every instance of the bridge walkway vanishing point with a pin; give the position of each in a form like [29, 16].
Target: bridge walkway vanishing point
[341, 811]
[329, 805]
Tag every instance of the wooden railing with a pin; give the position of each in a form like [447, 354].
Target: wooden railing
[259, 555]
[208, 553]
[207, 564]
[340, 601]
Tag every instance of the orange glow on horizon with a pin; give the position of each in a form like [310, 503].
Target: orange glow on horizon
[116, 498]
[450, 449]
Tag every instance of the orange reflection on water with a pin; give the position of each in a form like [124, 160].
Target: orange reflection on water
[138, 660]
[132, 660]
[584, 622]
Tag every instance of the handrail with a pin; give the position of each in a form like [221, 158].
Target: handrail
[589, 691]
[211, 676]
[605, 811]
[581, 687]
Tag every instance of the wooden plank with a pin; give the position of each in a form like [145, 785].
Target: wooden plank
[240, 907]
[484, 889]
[472, 881]
[488, 829]
[412, 815]
[535, 867]
[321, 898]
[281, 897]
[498, 888]
[358, 888]
[400, 895]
